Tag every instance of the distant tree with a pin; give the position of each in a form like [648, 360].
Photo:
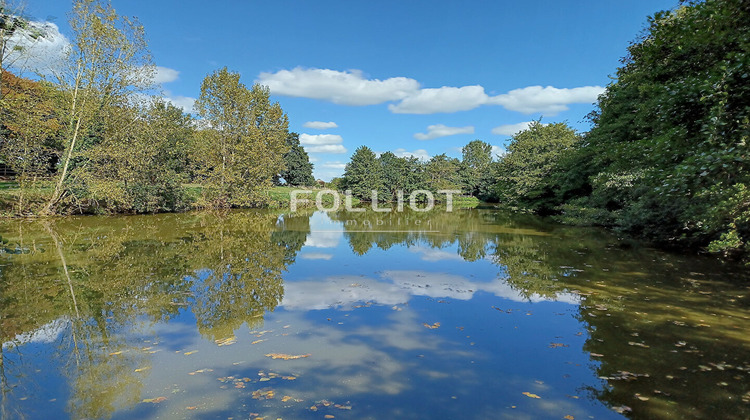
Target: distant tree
[475, 167]
[363, 174]
[243, 147]
[525, 172]
[443, 173]
[297, 167]
[401, 174]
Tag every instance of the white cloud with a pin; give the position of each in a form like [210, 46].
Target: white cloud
[185, 102]
[498, 151]
[326, 148]
[421, 154]
[320, 139]
[549, 100]
[436, 254]
[320, 125]
[511, 129]
[43, 54]
[344, 88]
[165, 75]
[334, 165]
[440, 130]
[444, 99]
[352, 88]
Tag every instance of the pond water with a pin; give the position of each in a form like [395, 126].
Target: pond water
[474, 314]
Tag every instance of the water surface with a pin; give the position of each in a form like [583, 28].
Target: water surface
[473, 314]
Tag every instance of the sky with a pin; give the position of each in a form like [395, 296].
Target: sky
[415, 77]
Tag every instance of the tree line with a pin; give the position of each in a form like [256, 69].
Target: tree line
[667, 158]
[391, 175]
[92, 137]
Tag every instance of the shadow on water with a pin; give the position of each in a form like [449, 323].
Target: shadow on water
[89, 299]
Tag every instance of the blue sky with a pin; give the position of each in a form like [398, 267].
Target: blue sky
[414, 77]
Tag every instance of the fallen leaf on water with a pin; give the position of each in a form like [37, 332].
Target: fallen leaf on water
[264, 393]
[556, 345]
[530, 395]
[156, 400]
[192, 408]
[258, 341]
[142, 369]
[569, 417]
[433, 326]
[328, 416]
[115, 353]
[633, 343]
[190, 352]
[285, 398]
[289, 378]
[286, 356]
[343, 407]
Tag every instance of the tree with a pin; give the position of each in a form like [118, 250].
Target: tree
[475, 167]
[108, 63]
[141, 167]
[298, 169]
[443, 173]
[525, 173]
[363, 174]
[29, 128]
[668, 153]
[401, 174]
[243, 147]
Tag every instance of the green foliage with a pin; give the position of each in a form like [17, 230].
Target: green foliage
[526, 175]
[443, 173]
[242, 148]
[475, 168]
[667, 156]
[297, 167]
[363, 174]
[404, 174]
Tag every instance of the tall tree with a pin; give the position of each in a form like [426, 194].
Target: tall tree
[475, 166]
[242, 148]
[363, 173]
[526, 172]
[108, 63]
[443, 173]
[297, 167]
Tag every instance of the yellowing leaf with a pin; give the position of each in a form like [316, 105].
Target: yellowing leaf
[569, 417]
[530, 395]
[190, 352]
